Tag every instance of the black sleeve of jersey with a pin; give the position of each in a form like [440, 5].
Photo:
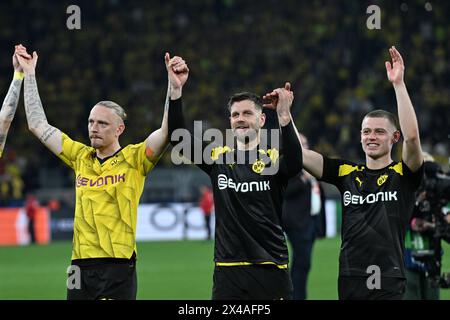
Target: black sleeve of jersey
[175, 116]
[414, 178]
[330, 172]
[176, 121]
[293, 158]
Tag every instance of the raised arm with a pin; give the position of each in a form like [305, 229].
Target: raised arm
[157, 142]
[37, 121]
[184, 142]
[11, 100]
[281, 100]
[412, 151]
[178, 74]
[312, 161]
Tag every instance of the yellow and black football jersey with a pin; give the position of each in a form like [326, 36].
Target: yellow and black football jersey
[247, 201]
[376, 207]
[107, 197]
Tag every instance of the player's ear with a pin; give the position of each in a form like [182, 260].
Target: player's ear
[397, 136]
[120, 129]
[262, 119]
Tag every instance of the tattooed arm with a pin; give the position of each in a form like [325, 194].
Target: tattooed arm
[11, 101]
[9, 108]
[158, 141]
[37, 121]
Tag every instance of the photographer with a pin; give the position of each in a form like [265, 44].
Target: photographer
[427, 227]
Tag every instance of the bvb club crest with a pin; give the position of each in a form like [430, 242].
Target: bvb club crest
[258, 166]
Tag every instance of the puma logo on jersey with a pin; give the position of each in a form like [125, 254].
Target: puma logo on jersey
[224, 182]
[349, 198]
[382, 179]
[359, 181]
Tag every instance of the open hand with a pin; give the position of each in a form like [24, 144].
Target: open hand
[397, 69]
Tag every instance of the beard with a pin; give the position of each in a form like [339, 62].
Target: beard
[250, 135]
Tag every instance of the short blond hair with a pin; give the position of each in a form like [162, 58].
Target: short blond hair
[114, 106]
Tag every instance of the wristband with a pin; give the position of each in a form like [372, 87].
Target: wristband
[18, 75]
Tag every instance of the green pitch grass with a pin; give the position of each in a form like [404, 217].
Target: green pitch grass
[175, 270]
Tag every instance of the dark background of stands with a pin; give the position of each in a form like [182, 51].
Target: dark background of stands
[335, 64]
